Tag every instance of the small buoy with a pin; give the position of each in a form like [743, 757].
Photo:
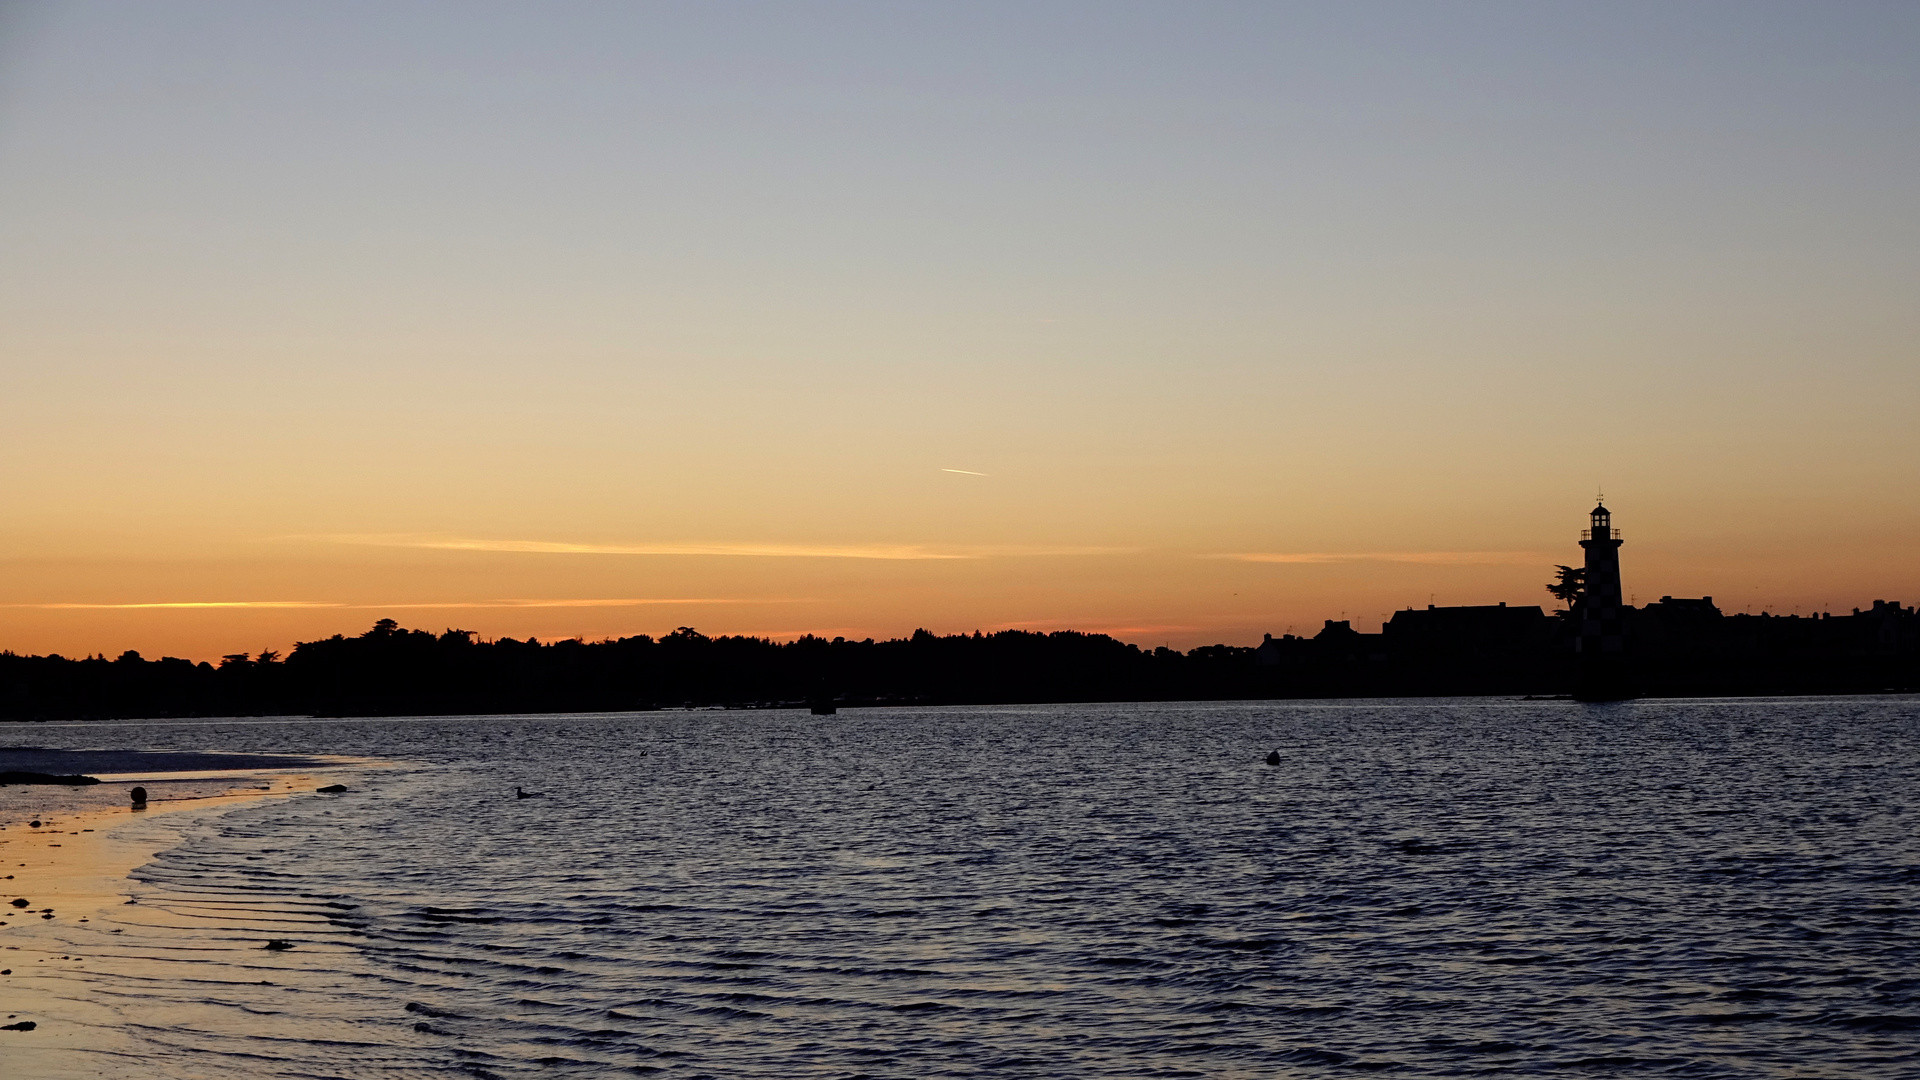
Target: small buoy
[139, 796]
[1273, 758]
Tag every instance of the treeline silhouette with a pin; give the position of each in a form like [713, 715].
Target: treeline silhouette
[390, 671]
[1680, 647]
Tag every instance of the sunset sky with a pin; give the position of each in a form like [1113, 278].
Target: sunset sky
[1181, 321]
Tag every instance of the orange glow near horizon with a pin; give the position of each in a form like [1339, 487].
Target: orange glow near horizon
[1147, 596]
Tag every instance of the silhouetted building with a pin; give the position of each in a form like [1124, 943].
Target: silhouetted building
[1669, 620]
[1487, 648]
[1478, 630]
[1340, 643]
[1339, 660]
[1602, 617]
[1683, 608]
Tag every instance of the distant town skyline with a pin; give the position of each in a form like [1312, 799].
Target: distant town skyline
[1184, 323]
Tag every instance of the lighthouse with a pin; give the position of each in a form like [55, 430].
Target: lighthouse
[1602, 643]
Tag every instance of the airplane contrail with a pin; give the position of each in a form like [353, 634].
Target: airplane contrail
[966, 472]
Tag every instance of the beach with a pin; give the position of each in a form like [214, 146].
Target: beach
[68, 851]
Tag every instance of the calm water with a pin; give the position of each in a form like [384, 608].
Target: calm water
[1698, 889]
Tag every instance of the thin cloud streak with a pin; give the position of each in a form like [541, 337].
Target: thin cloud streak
[637, 602]
[888, 552]
[966, 472]
[186, 604]
[340, 606]
[898, 552]
[1431, 558]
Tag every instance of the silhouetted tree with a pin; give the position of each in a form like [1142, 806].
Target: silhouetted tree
[1568, 584]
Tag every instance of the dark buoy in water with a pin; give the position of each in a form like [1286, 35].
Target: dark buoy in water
[519, 793]
[1273, 758]
[139, 798]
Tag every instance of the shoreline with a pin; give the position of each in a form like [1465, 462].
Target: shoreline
[77, 864]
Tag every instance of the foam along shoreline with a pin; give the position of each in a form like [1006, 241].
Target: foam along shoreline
[76, 863]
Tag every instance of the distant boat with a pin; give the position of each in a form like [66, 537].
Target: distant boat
[822, 706]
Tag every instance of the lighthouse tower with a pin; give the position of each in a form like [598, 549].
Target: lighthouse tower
[1602, 643]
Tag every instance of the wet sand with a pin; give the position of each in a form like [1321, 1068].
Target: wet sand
[74, 864]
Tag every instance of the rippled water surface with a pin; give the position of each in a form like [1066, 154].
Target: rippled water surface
[1467, 887]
